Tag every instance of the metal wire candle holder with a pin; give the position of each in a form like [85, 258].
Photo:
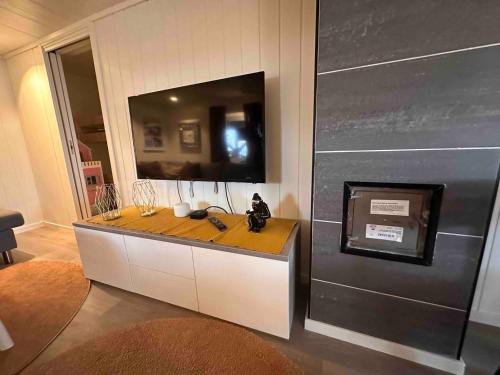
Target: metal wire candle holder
[144, 197]
[108, 201]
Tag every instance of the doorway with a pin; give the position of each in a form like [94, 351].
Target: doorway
[81, 123]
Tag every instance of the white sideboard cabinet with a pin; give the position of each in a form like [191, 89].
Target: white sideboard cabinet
[249, 288]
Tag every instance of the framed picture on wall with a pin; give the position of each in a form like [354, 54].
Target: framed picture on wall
[189, 136]
[153, 138]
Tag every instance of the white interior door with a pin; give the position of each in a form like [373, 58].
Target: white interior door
[68, 133]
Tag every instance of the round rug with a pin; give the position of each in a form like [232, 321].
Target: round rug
[173, 346]
[37, 300]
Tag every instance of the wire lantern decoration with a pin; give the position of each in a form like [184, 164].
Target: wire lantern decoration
[144, 197]
[108, 201]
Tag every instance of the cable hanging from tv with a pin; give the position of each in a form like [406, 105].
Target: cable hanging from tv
[179, 191]
[227, 198]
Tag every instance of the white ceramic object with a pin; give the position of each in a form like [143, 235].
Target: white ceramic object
[5, 339]
[182, 209]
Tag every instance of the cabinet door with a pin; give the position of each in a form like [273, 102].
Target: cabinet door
[103, 257]
[168, 257]
[176, 290]
[246, 290]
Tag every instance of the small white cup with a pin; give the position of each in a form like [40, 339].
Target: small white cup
[182, 209]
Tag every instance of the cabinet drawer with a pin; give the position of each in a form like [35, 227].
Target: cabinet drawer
[168, 257]
[168, 288]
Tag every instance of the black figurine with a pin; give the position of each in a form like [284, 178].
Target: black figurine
[257, 217]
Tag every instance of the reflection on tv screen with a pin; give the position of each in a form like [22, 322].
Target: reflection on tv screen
[212, 131]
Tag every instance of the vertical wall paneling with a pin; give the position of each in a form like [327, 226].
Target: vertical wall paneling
[98, 65]
[17, 184]
[290, 29]
[250, 33]
[269, 56]
[32, 92]
[215, 39]
[231, 18]
[306, 136]
[193, 45]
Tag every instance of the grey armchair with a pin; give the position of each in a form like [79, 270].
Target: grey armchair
[8, 220]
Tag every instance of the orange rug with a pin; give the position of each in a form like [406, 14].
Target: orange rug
[173, 346]
[37, 300]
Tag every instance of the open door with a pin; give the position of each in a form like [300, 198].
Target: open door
[81, 123]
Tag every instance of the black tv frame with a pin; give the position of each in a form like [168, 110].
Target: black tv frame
[263, 95]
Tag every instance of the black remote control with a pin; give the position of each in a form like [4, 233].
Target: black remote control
[217, 223]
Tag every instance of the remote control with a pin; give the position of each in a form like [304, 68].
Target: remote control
[217, 223]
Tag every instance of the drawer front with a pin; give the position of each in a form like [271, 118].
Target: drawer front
[168, 288]
[167, 257]
[104, 257]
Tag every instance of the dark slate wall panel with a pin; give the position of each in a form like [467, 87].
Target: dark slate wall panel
[439, 102]
[354, 33]
[469, 175]
[447, 282]
[416, 324]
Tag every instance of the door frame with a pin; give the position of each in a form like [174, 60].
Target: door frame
[61, 110]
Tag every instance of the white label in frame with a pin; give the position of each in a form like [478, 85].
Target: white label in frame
[390, 207]
[384, 232]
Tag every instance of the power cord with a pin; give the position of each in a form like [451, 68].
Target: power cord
[227, 198]
[179, 191]
[220, 208]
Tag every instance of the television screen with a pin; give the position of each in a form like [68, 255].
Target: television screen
[212, 131]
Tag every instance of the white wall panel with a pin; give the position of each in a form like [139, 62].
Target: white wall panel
[157, 45]
[17, 183]
[32, 94]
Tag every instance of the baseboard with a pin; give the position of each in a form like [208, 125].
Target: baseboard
[485, 317]
[28, 227]
[58, 225]
[422, 357]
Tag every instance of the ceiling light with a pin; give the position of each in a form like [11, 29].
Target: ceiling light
[174, 99]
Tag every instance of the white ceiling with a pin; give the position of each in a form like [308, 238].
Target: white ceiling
[25, 21]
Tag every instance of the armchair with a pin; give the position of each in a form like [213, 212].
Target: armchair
[8, 220]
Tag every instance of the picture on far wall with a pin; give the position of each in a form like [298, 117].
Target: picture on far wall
[153, 138]
[189, 136]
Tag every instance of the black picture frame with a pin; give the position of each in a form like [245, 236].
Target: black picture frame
[432, 225]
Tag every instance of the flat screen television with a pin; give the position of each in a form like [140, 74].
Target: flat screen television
[212, 131]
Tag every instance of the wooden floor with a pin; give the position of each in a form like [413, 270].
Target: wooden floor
[108, 308]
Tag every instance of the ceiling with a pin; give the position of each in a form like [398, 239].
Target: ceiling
[25, 21]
